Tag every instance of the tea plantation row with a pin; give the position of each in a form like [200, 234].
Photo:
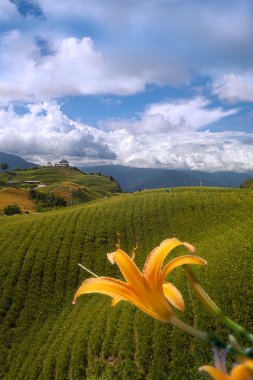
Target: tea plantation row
[43, 336]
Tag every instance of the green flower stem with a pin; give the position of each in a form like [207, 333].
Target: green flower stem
[189, 329]
[209, 338]
[213, 309]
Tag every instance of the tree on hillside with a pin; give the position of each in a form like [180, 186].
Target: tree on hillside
[45, 200]
[4, 166]
[247, 184]
[12, 210]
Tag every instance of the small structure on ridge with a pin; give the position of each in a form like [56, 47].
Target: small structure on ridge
[62, 164]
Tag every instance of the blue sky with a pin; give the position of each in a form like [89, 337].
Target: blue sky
[147, 83]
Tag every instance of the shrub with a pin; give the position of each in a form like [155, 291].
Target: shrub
[12, 210]
[47, 200]
[32, 194]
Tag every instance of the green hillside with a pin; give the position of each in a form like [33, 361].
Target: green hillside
[55, 175]
[43, 336]
[59, 181]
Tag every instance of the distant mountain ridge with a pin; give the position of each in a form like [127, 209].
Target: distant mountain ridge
[15, 161]
[133, 179]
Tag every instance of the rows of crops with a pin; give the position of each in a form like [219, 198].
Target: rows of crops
[57, 181]
[45, 337]
[77, 194]
[53, 176]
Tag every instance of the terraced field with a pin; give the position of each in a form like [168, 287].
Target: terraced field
[53, 176]
[80, 194]
[84, 187]
[43, 336]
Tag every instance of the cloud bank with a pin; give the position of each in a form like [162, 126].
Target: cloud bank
[73, 67]
[43, 133]
[118, 50]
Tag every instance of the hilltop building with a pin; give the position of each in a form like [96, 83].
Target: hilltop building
[62, 164]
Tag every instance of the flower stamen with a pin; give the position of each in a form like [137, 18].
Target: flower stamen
[87, 270]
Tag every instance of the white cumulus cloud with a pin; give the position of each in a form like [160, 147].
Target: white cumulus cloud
[45, 133]
[172, 135]
[235, 87]
[193, 113]
[74, 67]
[169, 116]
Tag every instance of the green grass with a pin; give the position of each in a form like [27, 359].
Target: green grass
[80, 194]
[43, 336]
[85, 188]
[52, 176]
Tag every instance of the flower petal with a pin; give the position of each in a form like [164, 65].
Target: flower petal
[130, 271]
[240, 373]
[156, 258]
[108, 286]
[173, 295]
[153, 264]
[178, 261]
[249, 365]
[119, 291]
[115, 302]
[215, 373]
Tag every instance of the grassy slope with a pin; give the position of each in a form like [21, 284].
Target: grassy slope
[44, 337]
[59, 180]
[54, 175]
[16, 196]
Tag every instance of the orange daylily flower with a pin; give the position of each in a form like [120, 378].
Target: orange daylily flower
[147, 290]
[242, 371]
